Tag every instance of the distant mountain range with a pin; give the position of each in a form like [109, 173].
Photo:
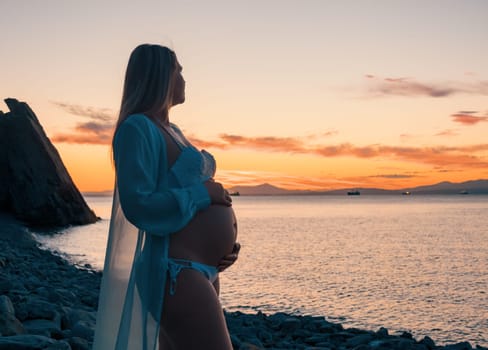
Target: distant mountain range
[468, 187]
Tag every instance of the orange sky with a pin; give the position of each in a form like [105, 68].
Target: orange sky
[319, 95]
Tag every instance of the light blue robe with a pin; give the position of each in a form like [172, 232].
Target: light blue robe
[151, 201]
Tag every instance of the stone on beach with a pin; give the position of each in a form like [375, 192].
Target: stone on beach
[9, 324]
[34, 183]
[278, 331]
[32, 342]
[48, 328]
[39, 300]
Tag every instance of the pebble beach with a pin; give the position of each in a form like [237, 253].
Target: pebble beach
[48, 303]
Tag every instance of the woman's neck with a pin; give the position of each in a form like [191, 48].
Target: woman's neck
[161, 117]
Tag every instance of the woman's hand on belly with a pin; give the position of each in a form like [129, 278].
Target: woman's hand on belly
[229, 259]
[217, 193]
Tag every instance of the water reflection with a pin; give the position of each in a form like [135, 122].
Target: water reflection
[405, 263]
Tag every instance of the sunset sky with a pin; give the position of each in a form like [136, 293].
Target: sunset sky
[310, 94]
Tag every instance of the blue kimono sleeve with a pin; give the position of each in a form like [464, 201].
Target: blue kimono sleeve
[139, 174]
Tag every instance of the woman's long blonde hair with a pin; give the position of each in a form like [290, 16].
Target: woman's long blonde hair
[148, 85]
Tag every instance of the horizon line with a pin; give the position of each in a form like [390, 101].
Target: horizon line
[304, 191]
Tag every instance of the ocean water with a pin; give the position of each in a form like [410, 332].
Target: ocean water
[407, 263]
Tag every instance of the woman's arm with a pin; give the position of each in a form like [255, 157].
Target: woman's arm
[137, 160]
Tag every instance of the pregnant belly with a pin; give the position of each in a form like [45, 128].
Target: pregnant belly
[209, 236]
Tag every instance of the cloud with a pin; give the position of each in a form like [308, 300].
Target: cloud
[206, 144]
[475, 148]
[329, 133]
[394, 176]
[447, 133]
[468, 118]
[87, 133]
[437, 155]
[325, 134]
[406, 137]
[442, 170]
[405, 86]
[98, 131]
[103, 114]
[82, 139]
[271, 143]
[94, 127]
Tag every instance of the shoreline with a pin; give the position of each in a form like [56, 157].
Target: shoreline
[48, 303]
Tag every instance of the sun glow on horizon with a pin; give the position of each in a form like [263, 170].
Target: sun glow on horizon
[289, 171]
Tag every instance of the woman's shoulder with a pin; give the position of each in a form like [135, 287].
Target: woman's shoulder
[138, 124]
[138, 119]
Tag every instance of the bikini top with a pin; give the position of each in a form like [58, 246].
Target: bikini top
[192, 166]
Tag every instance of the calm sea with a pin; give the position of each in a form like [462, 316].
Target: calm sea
[413, 263]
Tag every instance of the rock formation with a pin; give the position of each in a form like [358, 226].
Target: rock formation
[34, 183]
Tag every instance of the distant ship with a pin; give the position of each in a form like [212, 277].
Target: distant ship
[353, 193]
[463, 192]
[235, 193]
[407, 193]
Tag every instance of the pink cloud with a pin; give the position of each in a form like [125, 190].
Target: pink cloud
[439, 155]
[447, 133]
[82, 139]
[97, 131]
[283, 144]
[403, 86]
[394, 176]
[87, 133]
[468, 118]
[101, 114]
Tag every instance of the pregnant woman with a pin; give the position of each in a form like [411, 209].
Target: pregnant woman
[172, 228]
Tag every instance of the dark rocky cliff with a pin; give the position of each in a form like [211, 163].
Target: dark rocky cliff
[34, 183]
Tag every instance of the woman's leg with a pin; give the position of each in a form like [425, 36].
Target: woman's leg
[193, 317]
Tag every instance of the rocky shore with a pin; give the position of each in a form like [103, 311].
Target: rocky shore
[47, 303]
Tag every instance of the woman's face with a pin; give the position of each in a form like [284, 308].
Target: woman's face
[178, 86]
